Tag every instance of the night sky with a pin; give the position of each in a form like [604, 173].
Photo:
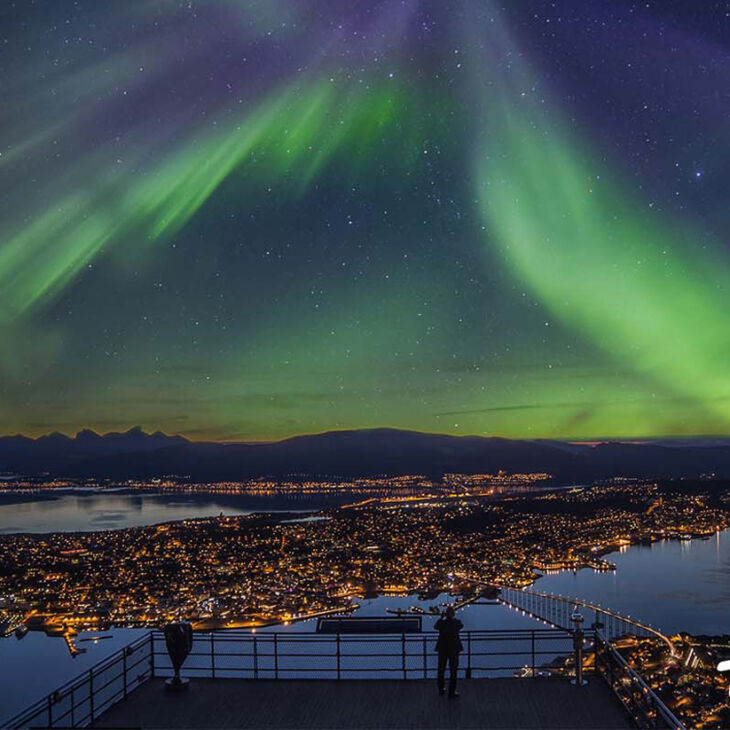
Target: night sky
[248, 219]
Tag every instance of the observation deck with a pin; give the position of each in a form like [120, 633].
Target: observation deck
[274, 679]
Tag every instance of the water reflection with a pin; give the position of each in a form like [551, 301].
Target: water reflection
[674, 585]
[85, 510]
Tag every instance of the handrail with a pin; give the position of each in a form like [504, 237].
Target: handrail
[46, 713]
[272, 654]
[604, 652]
[237, 653]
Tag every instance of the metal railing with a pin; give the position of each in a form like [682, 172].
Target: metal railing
[295, 655]
[300, 655]
[79, 702]
[640, 701]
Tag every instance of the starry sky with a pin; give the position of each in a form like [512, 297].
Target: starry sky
[249, 219]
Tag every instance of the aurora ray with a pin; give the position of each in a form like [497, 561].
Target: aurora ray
[632, 280]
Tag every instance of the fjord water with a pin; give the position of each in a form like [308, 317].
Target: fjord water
[675, 586]
[91, 510]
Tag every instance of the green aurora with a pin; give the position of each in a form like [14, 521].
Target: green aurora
[632, 282]
[370, 229]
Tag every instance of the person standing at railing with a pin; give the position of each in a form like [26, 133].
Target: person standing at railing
[449, 647]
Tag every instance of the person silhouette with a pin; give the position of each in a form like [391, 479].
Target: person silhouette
[448, 647]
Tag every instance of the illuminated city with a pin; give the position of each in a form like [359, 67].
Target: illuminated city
[423, 539]
[226, 572]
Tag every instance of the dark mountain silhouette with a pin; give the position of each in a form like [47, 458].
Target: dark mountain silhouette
[135, 453]
[57, 453]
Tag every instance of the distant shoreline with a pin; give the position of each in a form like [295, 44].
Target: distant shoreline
[182, 507]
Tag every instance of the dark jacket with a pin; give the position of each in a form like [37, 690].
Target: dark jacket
[448, 641]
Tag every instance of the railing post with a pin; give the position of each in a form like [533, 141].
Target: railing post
[152, 654]
[425, 660]
[579, 660]
[468, 655]
[339, 655]
[212, 654]
[532, 651]
[91, 697]
[276, 655]
[403, 654]
[124, 670]
[255, 658]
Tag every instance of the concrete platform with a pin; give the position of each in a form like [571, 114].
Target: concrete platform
[366, 704]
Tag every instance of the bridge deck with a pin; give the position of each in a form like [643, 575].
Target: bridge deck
[383, 704]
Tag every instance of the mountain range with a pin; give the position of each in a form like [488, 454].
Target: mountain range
[358, 453]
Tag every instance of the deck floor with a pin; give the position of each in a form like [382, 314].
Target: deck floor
[383, 704]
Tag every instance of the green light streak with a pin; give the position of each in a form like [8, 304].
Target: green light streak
[605, 264]
[288, 138]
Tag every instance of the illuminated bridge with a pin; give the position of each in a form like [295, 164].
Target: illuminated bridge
[559, 611]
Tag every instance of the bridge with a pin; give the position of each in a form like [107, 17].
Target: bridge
[559, 611]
